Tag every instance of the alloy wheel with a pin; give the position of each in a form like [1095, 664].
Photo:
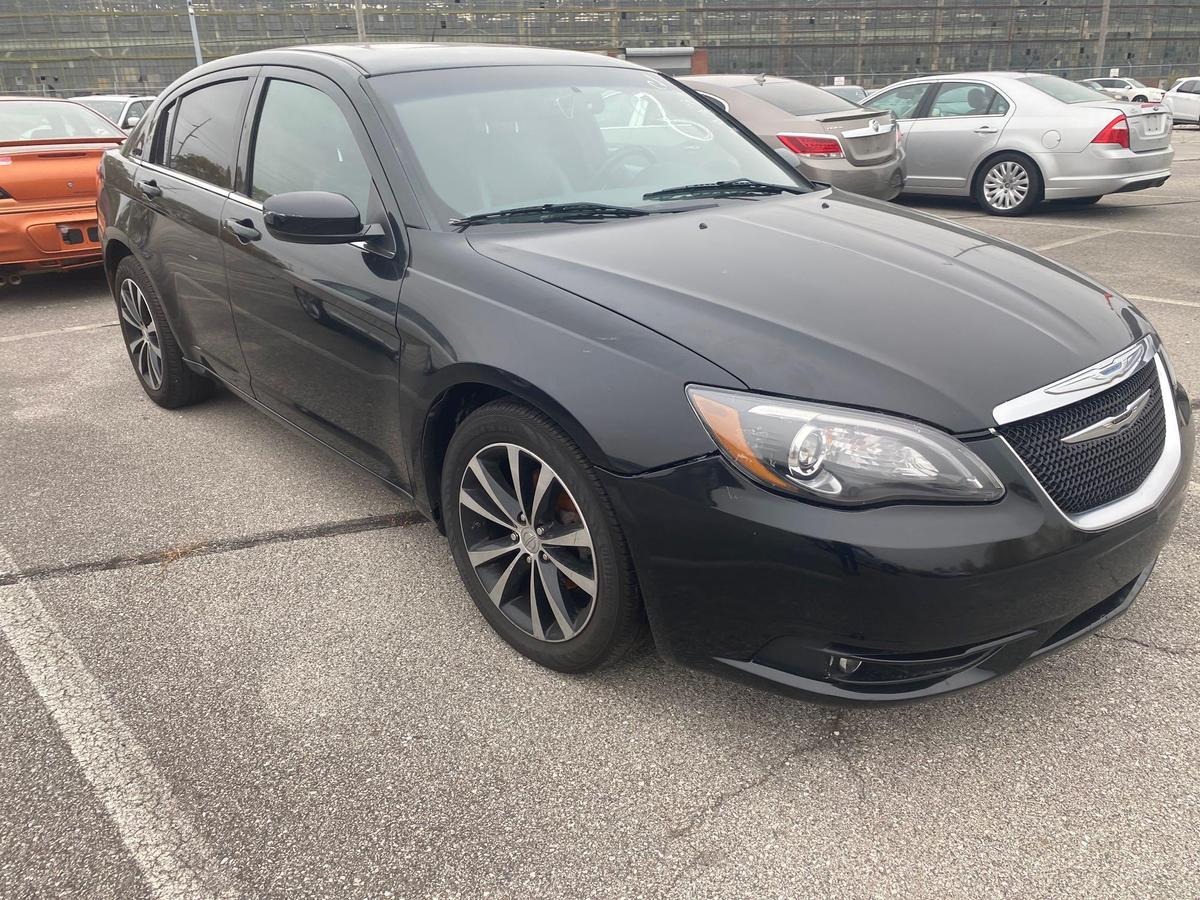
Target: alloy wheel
[141, 334]
[1006, 185]
[528, 543]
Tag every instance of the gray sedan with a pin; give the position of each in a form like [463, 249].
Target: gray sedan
[1012, 139]
[832, 140]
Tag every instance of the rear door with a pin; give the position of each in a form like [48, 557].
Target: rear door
[1184, 101]
[318, 321]
[959, 125]
[183, 181]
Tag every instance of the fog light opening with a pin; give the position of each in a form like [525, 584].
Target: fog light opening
[847, 665]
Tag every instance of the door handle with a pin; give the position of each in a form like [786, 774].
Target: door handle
[985, 129]
[149, 188]
[243, 230]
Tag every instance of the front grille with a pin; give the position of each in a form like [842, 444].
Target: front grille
[1083, 476]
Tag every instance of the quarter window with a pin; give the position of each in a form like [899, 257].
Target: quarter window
[303, 143]
[203, 140]
[966, 99]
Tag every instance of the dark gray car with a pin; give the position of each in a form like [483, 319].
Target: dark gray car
[834, 140]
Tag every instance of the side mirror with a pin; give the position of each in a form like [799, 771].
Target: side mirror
[315, 217]
[132, 120]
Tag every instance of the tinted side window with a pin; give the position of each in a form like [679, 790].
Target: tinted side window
[965, 99]
[204, 137]
[303, 143]
[902, 101]
[162, 133]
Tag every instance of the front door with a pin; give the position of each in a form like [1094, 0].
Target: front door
[962, 124]
[317, 322]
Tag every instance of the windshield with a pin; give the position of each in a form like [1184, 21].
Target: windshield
[110, 109]
[488, 139]
[45, 120]
[1133, 82]
[797, 98]
[1066, 91]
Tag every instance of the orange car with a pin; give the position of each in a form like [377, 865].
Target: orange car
[49, 153]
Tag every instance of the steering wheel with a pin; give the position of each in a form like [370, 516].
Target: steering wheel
[609, 165]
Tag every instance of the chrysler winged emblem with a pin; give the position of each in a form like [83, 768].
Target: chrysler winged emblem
[1112, 424]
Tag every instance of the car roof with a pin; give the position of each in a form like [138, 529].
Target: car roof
[386, 59]
[731, 80]
[115, 97]
[36, 99]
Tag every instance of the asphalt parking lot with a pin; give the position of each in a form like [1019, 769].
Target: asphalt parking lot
[234, 666]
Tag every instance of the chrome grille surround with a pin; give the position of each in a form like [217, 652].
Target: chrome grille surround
[1128, 363]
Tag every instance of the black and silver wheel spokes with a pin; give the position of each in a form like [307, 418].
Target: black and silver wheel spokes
[141, 334]
[528, 542]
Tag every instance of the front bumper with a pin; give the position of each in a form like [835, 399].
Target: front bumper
[927, 599]
[1097, 171]
[49, 239]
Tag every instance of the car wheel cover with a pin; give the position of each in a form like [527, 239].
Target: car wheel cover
[528, 543]
[1006, 185]
[141, 334]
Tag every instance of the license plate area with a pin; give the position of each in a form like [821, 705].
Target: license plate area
[1154, 125]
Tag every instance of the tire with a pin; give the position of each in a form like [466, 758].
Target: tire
[153, 351]
[1002, 178]
[1139, 99]
[566, 629]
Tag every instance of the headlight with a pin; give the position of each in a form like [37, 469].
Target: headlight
[841, 456]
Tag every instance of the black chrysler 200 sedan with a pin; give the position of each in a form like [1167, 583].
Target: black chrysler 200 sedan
[641, 372]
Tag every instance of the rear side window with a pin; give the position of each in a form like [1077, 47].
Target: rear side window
[902, 101]
[1061, 89]
[203, 138]
[797, 98]
[967, 99]
[303, 143]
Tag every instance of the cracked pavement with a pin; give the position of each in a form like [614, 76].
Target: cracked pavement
[235, 660]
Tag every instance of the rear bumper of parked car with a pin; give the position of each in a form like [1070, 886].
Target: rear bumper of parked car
[882, 182]
[48, 239]
[919, 600]
[1097, 171]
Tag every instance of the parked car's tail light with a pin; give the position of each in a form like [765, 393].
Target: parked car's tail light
[812, 145]
[841, 456]
[1115, 132]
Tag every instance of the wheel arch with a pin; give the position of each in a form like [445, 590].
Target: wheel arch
[462, 390]
[115, 250]
[987, 160]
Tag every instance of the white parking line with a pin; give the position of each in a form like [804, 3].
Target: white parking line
[1142, 298]
[10, 338]
[1073, 240]
[168, 849]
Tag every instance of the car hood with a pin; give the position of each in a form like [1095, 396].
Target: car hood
[837, 298]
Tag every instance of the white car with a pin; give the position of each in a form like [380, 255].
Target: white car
[1125, 89]
[124, 110]
[1183, 99]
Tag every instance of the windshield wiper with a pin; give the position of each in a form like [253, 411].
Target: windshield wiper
[734, 187]
[551, 212]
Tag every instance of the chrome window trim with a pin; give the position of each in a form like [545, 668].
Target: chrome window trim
[187, 179]
[1151, 490]
[1058, 394]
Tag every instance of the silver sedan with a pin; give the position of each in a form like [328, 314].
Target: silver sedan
[1012, 139]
